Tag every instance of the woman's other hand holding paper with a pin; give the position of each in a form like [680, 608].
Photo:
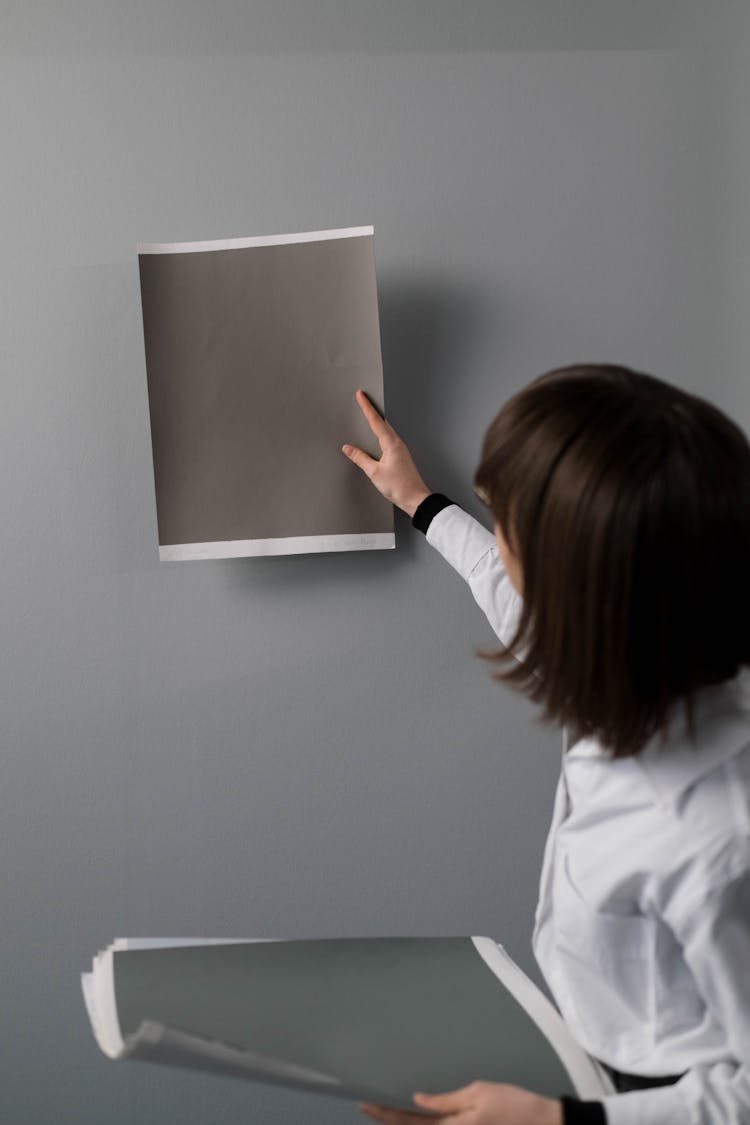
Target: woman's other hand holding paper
[479, 1103]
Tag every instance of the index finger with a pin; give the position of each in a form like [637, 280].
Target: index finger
[377, 422]
[389, 1116]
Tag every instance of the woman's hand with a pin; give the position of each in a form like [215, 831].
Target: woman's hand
[395, 475]
[480, 1103]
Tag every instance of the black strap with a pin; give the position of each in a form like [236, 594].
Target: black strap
[625, 1082]
[428, 509]
[576, 1112]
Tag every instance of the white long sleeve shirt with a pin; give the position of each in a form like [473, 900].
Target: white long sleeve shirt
[642, 929]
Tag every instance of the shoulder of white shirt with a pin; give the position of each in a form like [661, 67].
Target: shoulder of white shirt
[722, 731]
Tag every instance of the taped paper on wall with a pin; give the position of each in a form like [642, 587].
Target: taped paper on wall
[254, 350]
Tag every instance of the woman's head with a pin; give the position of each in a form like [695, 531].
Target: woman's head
[624, 503]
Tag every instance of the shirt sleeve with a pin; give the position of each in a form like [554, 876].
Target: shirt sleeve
[472, 551]
[714, 933]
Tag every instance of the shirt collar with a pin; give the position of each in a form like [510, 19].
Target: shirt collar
[722, 729]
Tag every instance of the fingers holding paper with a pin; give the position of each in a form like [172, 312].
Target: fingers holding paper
[395, 475]
[449, 1108]
[479, 1103]
[400, 1116]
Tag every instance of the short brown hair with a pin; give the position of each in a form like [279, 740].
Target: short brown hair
[627, 502]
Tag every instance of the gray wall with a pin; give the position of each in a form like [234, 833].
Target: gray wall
[307, 746]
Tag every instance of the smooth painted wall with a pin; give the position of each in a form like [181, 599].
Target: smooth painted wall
[307, 746]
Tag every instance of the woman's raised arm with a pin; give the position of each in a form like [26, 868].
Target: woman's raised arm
[462, 541]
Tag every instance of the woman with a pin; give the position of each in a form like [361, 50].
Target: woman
[618, 581]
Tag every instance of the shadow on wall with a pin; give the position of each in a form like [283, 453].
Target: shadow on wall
[431, 333]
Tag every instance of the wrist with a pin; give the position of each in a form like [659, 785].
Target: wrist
[552, 1112]
[410, 506]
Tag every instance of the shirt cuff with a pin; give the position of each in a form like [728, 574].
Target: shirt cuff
[428, 509]
[576, 1112]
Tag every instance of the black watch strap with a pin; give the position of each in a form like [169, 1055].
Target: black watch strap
[428, 509]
